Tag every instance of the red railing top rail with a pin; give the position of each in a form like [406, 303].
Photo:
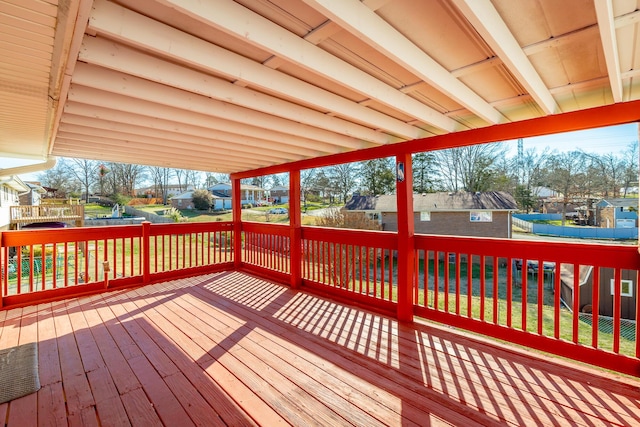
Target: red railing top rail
[626, 257]
[260, 227]
[378, 239]
[45, 236]
[189, 227]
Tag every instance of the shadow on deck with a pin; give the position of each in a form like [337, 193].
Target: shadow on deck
[232, 349]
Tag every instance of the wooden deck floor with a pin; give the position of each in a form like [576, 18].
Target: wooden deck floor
[231, 349]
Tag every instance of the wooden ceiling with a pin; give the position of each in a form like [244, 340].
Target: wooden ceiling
[229, 86]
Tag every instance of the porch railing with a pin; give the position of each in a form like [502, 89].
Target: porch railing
[529, 293]
[42, 264]
[359, 263]
[576, 300]
[45, 213]
[266, 249]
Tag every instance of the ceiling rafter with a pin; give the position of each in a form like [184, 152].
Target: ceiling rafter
[154, 117]
[134, 87]
[365, 24]
[488, 23]
[245, 146]
[606, 25]
[116, 141]
[126, 60]
[132, 28]
[263, 33]
[85, 151]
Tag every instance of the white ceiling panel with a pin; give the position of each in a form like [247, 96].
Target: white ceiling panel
[230, 85]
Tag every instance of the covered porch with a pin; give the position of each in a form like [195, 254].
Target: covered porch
[252, 323]
[229, 348]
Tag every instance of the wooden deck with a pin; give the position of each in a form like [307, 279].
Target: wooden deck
[231, 349]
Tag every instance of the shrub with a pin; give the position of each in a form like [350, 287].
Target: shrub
[202, 199]
[174, 214]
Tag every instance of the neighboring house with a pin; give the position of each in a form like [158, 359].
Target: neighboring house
[172, 189]
[279, 194]
[250, 194]
[617, 213]
[182, 201]
[33, 196]
[605, 293]
[544, 193]
[628, 190]
[10, 189]
[486, 214]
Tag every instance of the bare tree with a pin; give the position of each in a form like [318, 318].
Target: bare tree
[307, 179]
[630, 164]
[344, 179]
[60, 179]
[160, 177]
[86, 172]
[469, 168]
[565, 171]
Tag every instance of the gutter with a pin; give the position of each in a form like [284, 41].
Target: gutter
[48, 164]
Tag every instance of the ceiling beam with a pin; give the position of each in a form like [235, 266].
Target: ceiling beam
[489, 24]
[93, 126]
[135, 29]
[75, 149]
[366, 25]
[604, 13]
[240, 22]
[134, 87]
[126, 60]
[136, 147]
[121, 109]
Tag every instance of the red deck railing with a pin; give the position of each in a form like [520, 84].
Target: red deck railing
[523, 292]
[42, 264]
[529, 293]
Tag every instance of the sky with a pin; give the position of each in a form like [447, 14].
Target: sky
[613, 139]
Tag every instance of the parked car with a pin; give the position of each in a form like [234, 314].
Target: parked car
[278, 211]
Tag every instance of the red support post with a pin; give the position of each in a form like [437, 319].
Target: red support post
[146, 251]
[295, 235]
[237, 222]
[406, 246]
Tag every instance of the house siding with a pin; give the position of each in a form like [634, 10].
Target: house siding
[605, 307]
[453, 224]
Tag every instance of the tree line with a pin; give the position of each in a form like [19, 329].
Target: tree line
[575, 175]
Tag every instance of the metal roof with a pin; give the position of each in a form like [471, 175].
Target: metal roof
[230, 86]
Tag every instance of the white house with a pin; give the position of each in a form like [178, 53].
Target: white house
[250, 194]
[11, 187]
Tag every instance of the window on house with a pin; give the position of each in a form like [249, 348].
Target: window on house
[425, 216]
[375, 216]
[626, 287]
[480, 216]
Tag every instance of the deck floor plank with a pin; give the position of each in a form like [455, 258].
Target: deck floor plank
[295, 366]
[372, 373]
[231, 349]
[229, 412]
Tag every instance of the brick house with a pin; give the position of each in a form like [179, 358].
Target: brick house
[279, 194]
[486, 214]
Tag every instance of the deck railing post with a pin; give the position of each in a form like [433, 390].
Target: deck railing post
[406, 247]
[237, 222]
[146, 252]
[5, 273]
[295, 224]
